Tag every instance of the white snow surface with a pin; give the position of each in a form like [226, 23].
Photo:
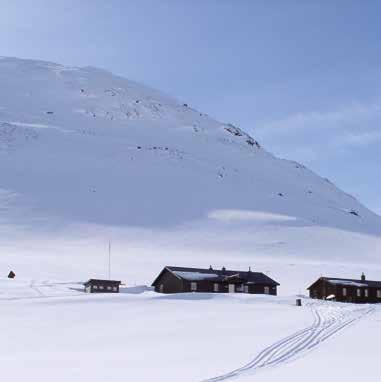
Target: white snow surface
[56, 331]
[194, 276]
[87, 157]
[347, 282]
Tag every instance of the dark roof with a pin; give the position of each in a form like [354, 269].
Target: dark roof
[197, 274]
[104, 282]
[350, 282]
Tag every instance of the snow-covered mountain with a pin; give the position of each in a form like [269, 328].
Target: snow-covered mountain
[86, 156]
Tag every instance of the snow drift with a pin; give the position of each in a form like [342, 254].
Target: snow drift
[86, 153]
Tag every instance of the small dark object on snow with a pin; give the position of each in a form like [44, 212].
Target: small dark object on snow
[185, 105]
[280, 194]
[137, 101]
[82, 90]
[50, 112]
[139, 147]
[11, 275]
[253, 142]
[353, 212]
[234, 130]
[298, 302]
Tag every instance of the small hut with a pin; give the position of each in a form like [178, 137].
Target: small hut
[102, 286]
[346, 290]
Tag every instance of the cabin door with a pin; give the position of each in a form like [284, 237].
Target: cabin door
[231, 288]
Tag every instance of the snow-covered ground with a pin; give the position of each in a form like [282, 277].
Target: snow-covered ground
[87, 157]
[55, 331]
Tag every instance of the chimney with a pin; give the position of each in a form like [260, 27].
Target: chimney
[223, 269]
[210, 268]
[249, 269]
[363, 278]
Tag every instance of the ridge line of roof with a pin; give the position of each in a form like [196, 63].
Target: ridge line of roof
[347, 279]
[216, 270]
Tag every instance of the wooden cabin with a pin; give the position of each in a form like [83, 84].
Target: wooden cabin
[181, 280]
[102, 286]
[359, 291]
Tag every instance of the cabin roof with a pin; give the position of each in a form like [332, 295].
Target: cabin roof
[349, 282]
[199, 274]
[100, 281]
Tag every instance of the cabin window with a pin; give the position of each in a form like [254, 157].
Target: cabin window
[95, 286]
[358, 292]
[246, 289]
[101, 287]
[344, 292]
[115, 289]
[240, 288]
[161, 288]
[215, 287]
[379, 293]
[193, 286]
[267, 290]
[109, 288]
[366, 293]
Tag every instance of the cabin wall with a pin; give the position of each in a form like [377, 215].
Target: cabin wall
[205, 286]
[170, 283]
[102, 288]
[260, 289]
[322, 289]
[173, 285]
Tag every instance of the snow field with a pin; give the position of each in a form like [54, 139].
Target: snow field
[139, 336]
[55, 331]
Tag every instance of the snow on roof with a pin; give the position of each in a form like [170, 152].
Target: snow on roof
[220, 275]
[195, 275]
[347, 282]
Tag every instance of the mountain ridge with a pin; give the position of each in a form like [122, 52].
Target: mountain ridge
[84, 148]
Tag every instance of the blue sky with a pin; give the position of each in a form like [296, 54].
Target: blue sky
[303, 77]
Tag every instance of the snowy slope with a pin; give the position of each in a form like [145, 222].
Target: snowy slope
[86, 156]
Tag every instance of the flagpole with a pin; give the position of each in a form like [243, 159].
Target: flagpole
[109, 260]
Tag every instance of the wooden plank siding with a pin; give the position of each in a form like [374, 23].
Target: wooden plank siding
[101, 286]
[169, 282]
[323, 288]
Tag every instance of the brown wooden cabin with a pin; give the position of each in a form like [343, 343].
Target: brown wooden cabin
[180, 280]
[101, 286]
[360, 291]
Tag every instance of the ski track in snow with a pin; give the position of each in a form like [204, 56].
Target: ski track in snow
[329, 319]
[46, 289]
